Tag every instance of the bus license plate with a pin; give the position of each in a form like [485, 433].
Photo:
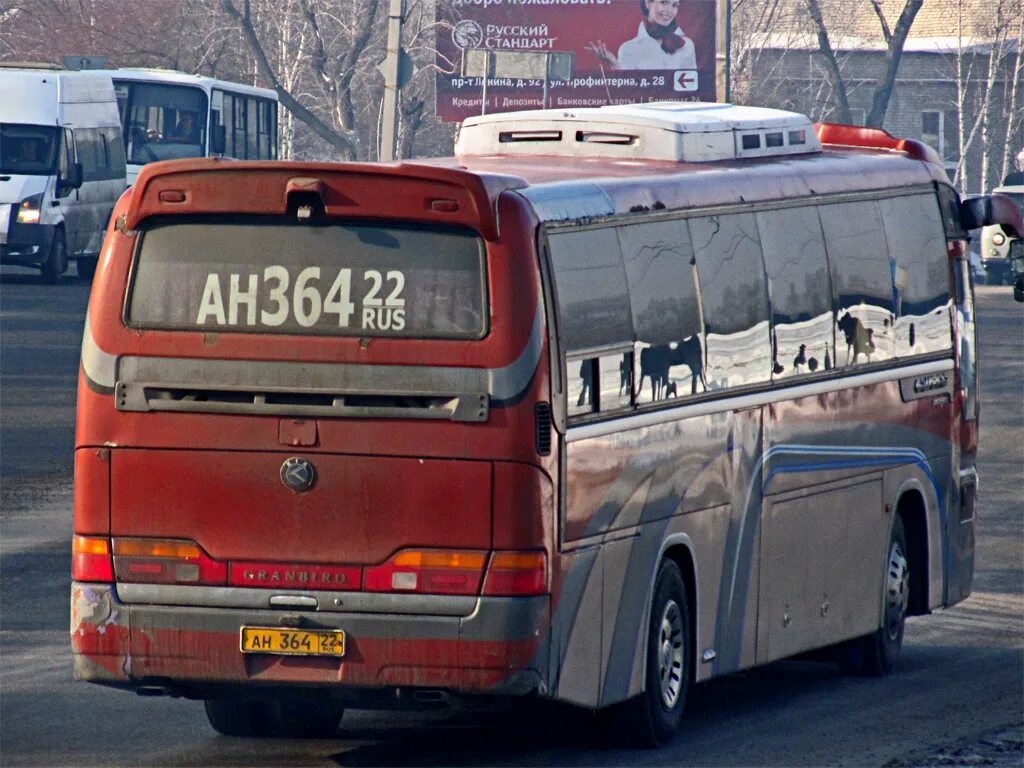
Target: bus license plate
[293, 642]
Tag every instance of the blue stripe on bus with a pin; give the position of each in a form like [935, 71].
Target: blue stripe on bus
[872, 456]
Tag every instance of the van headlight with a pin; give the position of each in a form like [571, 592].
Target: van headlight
[28, 209]
[998, 238]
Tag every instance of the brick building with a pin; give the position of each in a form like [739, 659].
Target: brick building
[959, 87]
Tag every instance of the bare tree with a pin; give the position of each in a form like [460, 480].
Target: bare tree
[337, 130]
[894, 39]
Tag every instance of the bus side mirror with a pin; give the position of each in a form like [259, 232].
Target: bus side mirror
[982, 211]
[217, 140]
[1016, 259]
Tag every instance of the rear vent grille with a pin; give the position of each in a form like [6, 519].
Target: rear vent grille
[142, 397]
[542, 414]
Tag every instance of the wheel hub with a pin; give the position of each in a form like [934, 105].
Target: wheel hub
[897, 590]
[670, 654]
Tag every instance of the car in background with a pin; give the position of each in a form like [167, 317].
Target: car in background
[995, 241]
[62, 168]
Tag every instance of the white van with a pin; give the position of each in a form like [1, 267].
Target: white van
[995, 242]
[62, 167]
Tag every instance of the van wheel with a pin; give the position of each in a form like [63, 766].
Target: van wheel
[877, 654]
[653, 717]
[86, 266]
[56, 260]
[290, 717]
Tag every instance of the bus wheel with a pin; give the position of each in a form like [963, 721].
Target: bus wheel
[56, 260]
[651, 719]
[284, 717]
[306, 717]
[877, 654]
[237, 717]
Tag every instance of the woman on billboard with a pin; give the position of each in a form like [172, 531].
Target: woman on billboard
[659, 42]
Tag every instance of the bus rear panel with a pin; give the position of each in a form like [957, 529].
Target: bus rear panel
[311, 434]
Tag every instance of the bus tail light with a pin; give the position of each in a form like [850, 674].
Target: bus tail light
[90, 559]
[434, 572]
[518, 574]
[165, 561]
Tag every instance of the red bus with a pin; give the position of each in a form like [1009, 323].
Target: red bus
[613, 402]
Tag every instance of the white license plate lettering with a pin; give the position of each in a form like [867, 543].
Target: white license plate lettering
[277, 297]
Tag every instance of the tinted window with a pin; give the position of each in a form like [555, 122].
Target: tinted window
[662, 281]
[593, 302]
[949, 205]
[917, 242]
[666, 311]
[600, 383]
[861, 281]
[342, 280]
[115, 153]
[89, 148]
[165, 122]
[734, 298]
[30, 150]
[800, 290]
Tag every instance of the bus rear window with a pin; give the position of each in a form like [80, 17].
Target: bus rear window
[333, 280]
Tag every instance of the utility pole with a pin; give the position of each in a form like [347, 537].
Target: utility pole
[389, 116]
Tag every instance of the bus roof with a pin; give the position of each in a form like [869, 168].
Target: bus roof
[170, 76]
[558, 189]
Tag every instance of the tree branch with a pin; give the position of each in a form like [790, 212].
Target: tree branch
[883, 88]
[886, 32]
[839, 97]
[341, 141]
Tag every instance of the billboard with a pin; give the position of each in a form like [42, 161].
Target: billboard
[594, 52]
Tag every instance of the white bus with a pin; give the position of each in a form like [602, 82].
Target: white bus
[168, 115]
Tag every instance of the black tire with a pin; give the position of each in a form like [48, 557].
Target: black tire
[237, 717]
[56, 260]
[878, 654]
[304, 717]
[651, 719]
[290, 717]
[85, 266]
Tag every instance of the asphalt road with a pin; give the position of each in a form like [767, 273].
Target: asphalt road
[962, 675]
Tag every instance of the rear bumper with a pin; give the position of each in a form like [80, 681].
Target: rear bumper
[500, 648]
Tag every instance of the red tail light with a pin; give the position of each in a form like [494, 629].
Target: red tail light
[436, 572]
[90, 559]
[517, 574]
[166, 561]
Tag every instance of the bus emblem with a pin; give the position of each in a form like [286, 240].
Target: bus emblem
[298, 474]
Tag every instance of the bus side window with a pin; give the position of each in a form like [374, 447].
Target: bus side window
[601, 383]
[949, 205]
[593, 302]
[799, 286]
[734, 297]
[581, 374]
[921, 295]
[659, 263]
[862, 285]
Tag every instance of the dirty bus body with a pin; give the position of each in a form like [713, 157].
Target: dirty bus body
[559, 417]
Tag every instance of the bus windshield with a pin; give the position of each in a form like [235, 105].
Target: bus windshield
[29, 150]
[162, 121]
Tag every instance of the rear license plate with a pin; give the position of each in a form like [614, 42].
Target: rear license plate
[293, 642]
